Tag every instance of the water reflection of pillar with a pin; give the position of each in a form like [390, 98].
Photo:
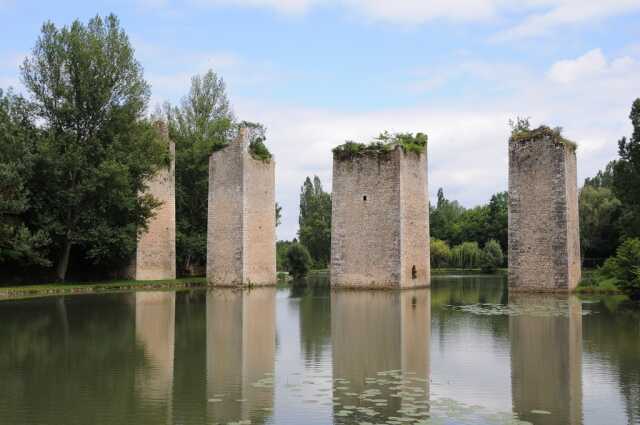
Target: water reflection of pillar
[241, 338]
[155, 332]
[546, 358]
[381, 340]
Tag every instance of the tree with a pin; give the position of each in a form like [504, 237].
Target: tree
[498, 219]
[278, 214]
[201, 124]
[440, 253]
[626, 176]
[20, 244]
[299, 260]
[97, 152]
[465, 255]
[443, 219]
[315, 221]
[599, 211]
[491, 257]
[624, 267]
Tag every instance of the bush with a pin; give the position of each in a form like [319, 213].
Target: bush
[624, 268]
[440, 253]
[465, 255]
[491, 257]
[299, 260]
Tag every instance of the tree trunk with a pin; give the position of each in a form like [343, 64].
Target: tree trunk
[63, 263]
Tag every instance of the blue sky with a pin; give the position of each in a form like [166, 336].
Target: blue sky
[317, 72]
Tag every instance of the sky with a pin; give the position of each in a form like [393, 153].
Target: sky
[319, 72]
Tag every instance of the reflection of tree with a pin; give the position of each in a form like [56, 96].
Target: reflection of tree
[613, 336]
[190, 384]
[466, 290]
[315, 320]
[94, 373]
[546, 359]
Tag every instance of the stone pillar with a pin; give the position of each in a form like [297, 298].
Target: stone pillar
[155, 257]
[546, 358]
[380, 221]
[544, 240]
[241, 227]
[241, 345]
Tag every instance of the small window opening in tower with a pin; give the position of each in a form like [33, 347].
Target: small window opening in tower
[414, 272]
[364, 198]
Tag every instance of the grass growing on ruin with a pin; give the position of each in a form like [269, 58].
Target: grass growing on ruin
[381, 146]
[521, 130]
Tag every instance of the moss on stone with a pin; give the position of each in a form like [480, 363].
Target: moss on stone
[381, 146]
[523, 134]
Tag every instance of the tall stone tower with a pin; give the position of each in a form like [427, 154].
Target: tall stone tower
[155, 257]
[241, 227]
[380, 220]
[544, 239]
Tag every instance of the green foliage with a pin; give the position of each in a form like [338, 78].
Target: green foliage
[298, 259]
[454, 224]
[491, 258]
[278, 214]
[282, 263]
[465, 255]
[599, 211]
[202, 124]
[20, 244]
[624, 267]
[626, 179]
[315, 221]
[440, 253]
[257, 136]
[95, 152]
[382, 146]
[521, 130]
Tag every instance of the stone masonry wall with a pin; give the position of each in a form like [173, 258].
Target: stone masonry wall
[155, 257]
[414, 220]
[544, 245]
[241, 218]
[259, 222]
[379, 225]
[225, 219]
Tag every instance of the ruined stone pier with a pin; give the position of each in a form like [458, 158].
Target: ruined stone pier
[155, 257]
[241, 228]
[380, 220]
[544, 240]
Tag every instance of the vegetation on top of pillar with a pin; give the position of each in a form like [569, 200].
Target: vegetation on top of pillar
[381, 146]
[521, 131]
[256, 134]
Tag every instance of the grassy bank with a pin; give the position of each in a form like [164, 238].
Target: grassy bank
[590, 284]
[99, 287]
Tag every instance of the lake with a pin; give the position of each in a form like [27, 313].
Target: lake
[462, 352]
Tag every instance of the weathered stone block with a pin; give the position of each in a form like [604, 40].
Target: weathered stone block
[380, 221]
[241, 232]
[155, 257]
[544, 241]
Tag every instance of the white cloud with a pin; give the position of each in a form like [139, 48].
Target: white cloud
[533, 17]
[467, 136]
[558, 13]
[283, 6]
[589, 64]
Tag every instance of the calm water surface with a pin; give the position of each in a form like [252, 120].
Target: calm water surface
[462, 352]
